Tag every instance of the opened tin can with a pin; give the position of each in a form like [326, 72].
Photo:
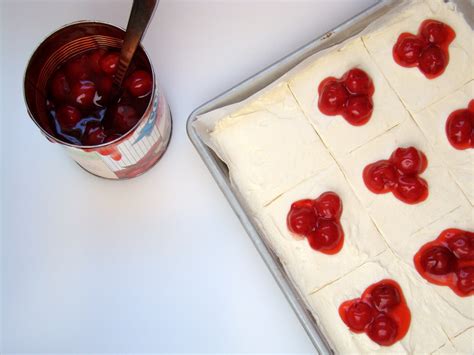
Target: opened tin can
[131, 154]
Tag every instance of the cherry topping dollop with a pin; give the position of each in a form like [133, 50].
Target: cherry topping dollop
[399, 175]
[449, 261]
[359, 315]
[385, 296]
[318, 221]
[438, 260]
[349, 96]
[460, 128]
[383, 330]
[465, 282]
[427, 50]
[78, 98]
[381, 312]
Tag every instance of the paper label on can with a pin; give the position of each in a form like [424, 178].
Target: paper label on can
[93, 162]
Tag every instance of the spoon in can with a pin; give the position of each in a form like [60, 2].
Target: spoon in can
[140, 15]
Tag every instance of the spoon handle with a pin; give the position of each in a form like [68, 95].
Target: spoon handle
[140, 15]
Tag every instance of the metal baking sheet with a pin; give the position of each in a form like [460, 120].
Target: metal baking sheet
[220, 173]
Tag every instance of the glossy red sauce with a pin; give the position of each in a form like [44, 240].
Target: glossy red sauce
[449, 261]
[460, 128]
[399, 175]
[319, 222]
[79, 98]
[428, 49]
[349, 96]
[381, 312]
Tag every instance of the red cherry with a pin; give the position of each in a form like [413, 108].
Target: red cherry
[357, 82]
[358, 110]
[408, 49]
[462, 245]
[409, 160]
[383, 330]
[432, 61]
[94, 134]
[139, 83]
[124, 118]
[78, 68]
[411, 189]
[465, 279]
[68, 116]
[329, 206]
[332, 98]
[385, 297]
[434, 31]
[83, 93]
[302, 218]
[437, 260]
[359, 315]
[108, 62]
[380, 177]
[60, 87]
[460, 128]
[327, 235]
[94, 59]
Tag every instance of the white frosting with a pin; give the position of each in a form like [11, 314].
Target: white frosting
[461, 218]
[311, 269]
[460, 345]
[269, 146]
[397, 220]
[432, 121]
[415, 90]
[464, 342]
[335, 131]
[431, 317]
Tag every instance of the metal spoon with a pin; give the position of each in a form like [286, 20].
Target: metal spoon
[140, 16]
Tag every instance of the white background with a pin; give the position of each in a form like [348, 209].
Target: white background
[159, 263]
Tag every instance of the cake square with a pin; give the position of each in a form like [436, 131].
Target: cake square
[269, 146]
[432, 122]
[339, 135]
[311, 269]
[431, 317]
[461, 218]
[397, 220]
[414, 89]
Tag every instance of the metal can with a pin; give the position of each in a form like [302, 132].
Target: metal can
[129, 155]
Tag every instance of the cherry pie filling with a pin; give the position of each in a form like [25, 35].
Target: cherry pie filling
[349, 96]
[79, 98]
[460, 128]
[319, 222]
[381, 312]
[428, 50]
[449, 261]
[399, 175]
